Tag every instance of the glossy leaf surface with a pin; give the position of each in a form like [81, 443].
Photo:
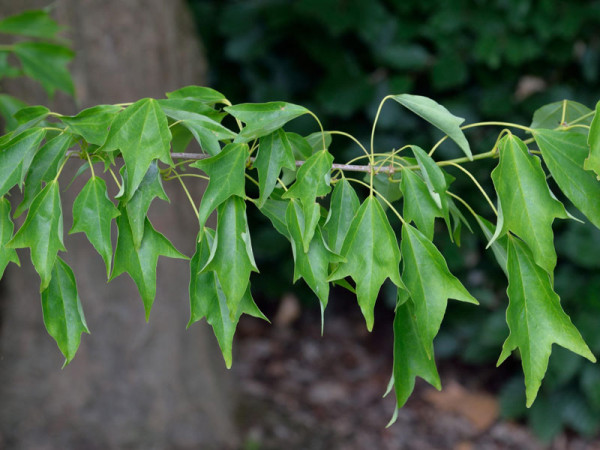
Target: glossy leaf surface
[16, 156]
[274, 153]
[93, 123]
[342, 209]
[419, 206]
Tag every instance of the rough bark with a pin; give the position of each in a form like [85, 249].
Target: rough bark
[132, 384]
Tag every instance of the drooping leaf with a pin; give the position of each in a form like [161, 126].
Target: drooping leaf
[342, 209]
[47, 63]
[526, 205]
[137, 208]
[564, 155]
[34, 23]
[275, 210]
[372, 255]
[499, 246]
[433, 176]
[93, 123]
[274, 152]
[319, 141]
[16, 156]
[226, 171]
[263, 118]
[208, 300]
[429, 282]
[301, 148]
[44, 168]
[42, 232]
[419, 206]
[93, 213]
[7, 254]
[410, 357]
[560, 113]
[142, 134]
[231, 254]
[592, 162]
[438, 116]
[312, 181]
[62, 311]
[140, 264]
[535, 318]
[199, 93]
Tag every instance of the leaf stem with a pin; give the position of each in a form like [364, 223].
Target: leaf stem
[187, 192]
[463, 202]
[320, 126]
[380, 196]
[91, 165]
[470, 175]
[349, 136]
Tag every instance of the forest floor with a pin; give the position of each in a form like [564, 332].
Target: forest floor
[304, 391]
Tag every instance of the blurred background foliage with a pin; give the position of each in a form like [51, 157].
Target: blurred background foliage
[483, 60]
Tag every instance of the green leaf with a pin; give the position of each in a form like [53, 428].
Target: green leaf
[433, 176]
[140, 264]
[275, 211]
[142, 134]
[564, 155]
[199, 93]
[47, 63]
[62, 311]
[499, 246]
[227, 177]
[29, 117]
[93, 123]
[274, 152]
[315, 140]
[34, 23]
[429, 282]
[42, 232]
[525, 204]
[342, 209]
[208, 300]
[8, 106]
[137, 208]
[7, 254]
[44, 168]
[438, 116]
[301, 148]
[410, 358]
[93, 213]
[263, 118]
[592, 162]
[560, 113]
[419, 205]
[372, 255]
[535, 318]
[312, 181]
[186, 108]
[314, 264]
[231, 254]
[16, 156]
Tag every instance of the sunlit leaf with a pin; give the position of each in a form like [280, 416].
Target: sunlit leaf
[535, 318]
[231, 254]
[438, 116]
[140, 264]
[263, 118]
[62, 311]
[93, 213]
[429, 282]
[93, 123]
[526, 205]
[42, 232]
[7, 254]
[372, 255]
[274, 152]
[226, 171]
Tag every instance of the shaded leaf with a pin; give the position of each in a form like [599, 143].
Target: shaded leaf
[199, 93]
[410, 357]
[16, 156]
[47, 63]
[315, 140]
[419, 206]
[275, 210]
[227, 177]
[301, 148]
[274, 152]
[551, 116]
[342, 209]
[7, 254]
[44, 168]
[93, 123]
[499, 246]
[592, 162]
[42, 232]
[142, 134]
[93, 213]
[372, 255]
[33, 23]
[535, 318]
[62, 311]
[263, 118]
[525, 204]
[429, 282]
[8, 106]
[438, 116]
[231, 254]
[140, 264]
[29, 117]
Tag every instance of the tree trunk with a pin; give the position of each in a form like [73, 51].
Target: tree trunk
[132, 384]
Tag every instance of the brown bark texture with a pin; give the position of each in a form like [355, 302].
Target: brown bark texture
[132, 384]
